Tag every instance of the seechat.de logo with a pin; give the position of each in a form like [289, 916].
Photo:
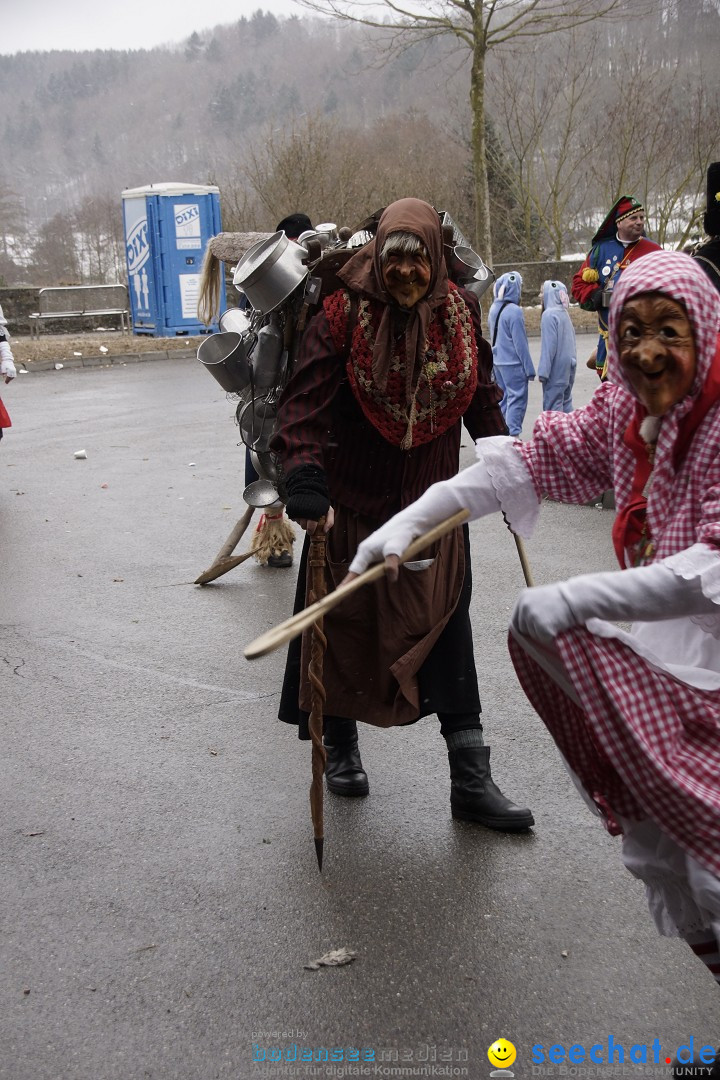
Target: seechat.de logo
[502, 1054]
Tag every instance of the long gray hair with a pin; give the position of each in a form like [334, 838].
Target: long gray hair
[405, 243]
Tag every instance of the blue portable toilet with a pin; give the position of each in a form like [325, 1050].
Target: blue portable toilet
[167, 227]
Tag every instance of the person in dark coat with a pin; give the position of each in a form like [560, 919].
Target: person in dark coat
[707, 252]
[387, 372]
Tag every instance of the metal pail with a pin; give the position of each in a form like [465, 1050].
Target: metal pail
[266, 358]
[235, 319]
[481, 285]
[270, 271]
[470, 271]
[224, 357]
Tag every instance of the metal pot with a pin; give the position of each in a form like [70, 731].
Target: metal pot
[467, 268]
[265, 464]
[327, 234]
[257, 423]
[267, 356]
[224, 356]
[235, 319]
[479, 287]
[270, 271]
[465, 263]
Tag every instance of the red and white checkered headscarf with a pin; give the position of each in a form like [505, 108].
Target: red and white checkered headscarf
[679, 277]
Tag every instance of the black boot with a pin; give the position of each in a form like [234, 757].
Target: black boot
[344, 773]
[474, 796]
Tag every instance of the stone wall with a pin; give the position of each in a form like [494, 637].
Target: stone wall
[535, 273]
[17, 302]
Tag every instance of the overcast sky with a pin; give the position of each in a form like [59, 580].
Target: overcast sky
[123, 24]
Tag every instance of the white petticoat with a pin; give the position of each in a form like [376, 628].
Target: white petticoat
[683, 897]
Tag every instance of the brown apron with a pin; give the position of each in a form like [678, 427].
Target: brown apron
[379, 637]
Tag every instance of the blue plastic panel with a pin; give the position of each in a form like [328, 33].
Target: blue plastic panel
[166, 236]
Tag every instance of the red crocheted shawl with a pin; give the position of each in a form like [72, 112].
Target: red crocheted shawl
[446, 382]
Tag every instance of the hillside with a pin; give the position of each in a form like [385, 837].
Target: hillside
[312, 114]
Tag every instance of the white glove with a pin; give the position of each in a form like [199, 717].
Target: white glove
[7, 367]
[644, 594]
[472, 489]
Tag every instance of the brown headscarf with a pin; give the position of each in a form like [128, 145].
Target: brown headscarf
[363, 274]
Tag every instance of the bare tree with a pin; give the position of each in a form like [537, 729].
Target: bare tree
[660, 149]
[552, 127]
[12, 218]
[54, 258]
[314, 165]
[477, 26]
[99, 241]
[597, 114]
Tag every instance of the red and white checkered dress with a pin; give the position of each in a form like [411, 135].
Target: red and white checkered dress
[641, 733]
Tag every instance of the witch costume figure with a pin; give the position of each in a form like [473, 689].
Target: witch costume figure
[636, 715]
[387, 373]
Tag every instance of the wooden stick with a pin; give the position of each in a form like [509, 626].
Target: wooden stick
[527, 573]
[220, 567]
[222, 561]
[295, 625]
[318, 644]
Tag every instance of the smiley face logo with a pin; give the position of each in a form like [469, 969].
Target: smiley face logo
[501, 1054]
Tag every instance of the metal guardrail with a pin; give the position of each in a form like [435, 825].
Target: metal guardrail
[81, 301]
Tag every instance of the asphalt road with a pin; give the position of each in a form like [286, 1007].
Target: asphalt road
[159, 892]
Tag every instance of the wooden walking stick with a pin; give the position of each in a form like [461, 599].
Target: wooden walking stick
[527, 573]
[316, 567]
[223, 561]
[286, 631]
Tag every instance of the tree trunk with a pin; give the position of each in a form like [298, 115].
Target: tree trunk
[483, 235]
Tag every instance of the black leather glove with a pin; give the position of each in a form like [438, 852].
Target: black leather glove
[308, 496]
[596, 298]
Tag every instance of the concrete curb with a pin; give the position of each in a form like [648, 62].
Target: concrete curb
[74, 362]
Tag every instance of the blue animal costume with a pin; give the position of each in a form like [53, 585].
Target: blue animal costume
[513, 364]
[558, 353]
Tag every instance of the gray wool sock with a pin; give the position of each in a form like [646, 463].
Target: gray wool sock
[466, 739]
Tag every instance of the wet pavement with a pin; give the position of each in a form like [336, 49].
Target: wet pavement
[160, 895]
